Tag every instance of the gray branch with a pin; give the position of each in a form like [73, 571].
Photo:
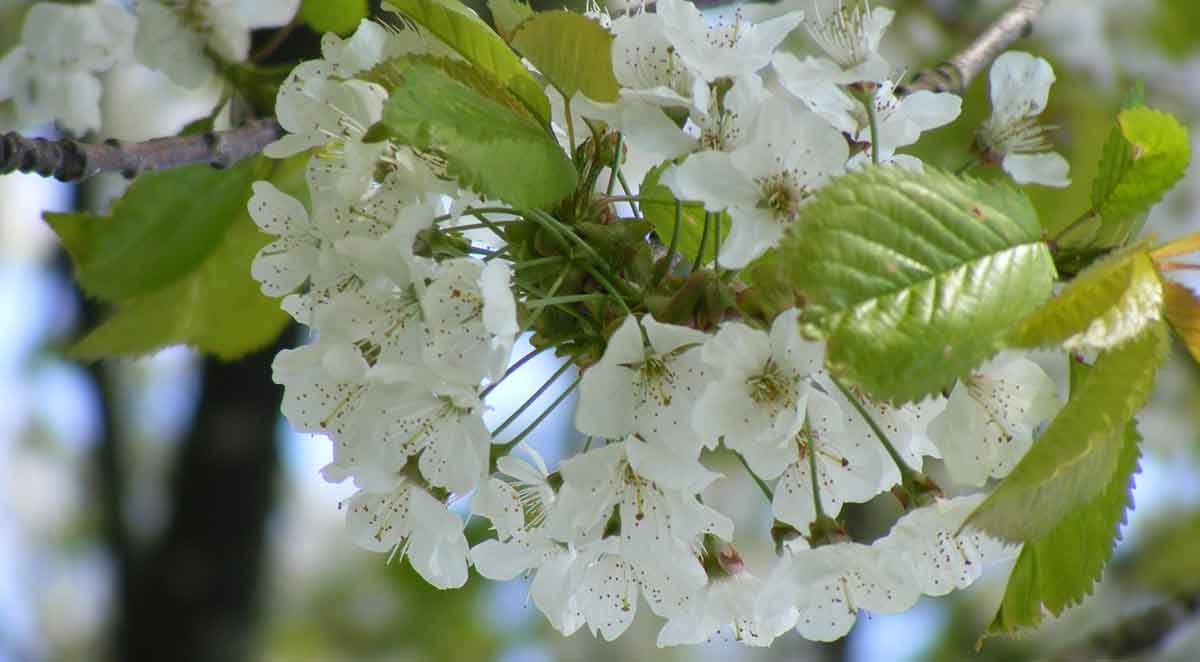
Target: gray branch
[72, 160]
[956, 73]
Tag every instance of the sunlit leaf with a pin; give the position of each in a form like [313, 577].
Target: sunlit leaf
[915, 277]
[1108, 304]
[573, 52]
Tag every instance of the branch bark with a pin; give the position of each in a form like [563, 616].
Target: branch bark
[72, 160]
[955, 74]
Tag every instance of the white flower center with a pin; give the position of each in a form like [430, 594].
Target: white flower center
[843, 35]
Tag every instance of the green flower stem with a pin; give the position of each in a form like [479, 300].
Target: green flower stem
[533, 398]
[873, 118]
[666, 265]
[615, 166]
[564, 299]
[703, 242]
[541, 417]
[757, 481]
[538, 262]
[487, 225]
[907, 475]
[568, 236]
[812, 472]
[717, 245]
[637, 212]
[570, 124]
[968, 166]
[537, 312]
[471, 211]
[638, 198]
[600, 278]
[512, 369]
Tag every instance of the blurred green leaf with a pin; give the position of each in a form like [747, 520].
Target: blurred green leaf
[1146, 154]
[1182, 310]
[217, 309]
[488, 146]
[915, 276]
[573, 52]
[658, 208]
[165, 225]
[508, 14]
[1059, 569]
[340, 16]
[214, 305]
[1106, 305]
[462, 30]
[1074, 458]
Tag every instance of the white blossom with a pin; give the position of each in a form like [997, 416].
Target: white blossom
[646, 385]
[942, 557]
[988, 423]
[764, 183]
[174, 37]
[410, 523]
[1020, 87]
[52, 74]
[829, 585]
[759, 385]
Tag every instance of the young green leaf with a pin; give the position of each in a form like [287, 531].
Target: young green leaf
[1073, 459]
[460, 29]
[508, 15]
[1183, 313]
[657, 206]
[1108, 304]
[915, 277]
[159, 231]
[1059, 569]
[217, 308]
[340, 16]
[574, 53]
[487, 146]
[1146, 154]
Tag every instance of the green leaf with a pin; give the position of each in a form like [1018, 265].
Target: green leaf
[217, 308]
[1146, 154]
[508, 15]
[1182, 309]
[1108, 304]
[1059, 569]
[1073, 459]
[657, 206]
[487, 146]
[913, 278]
[573, 52]
[159, 231]
[460, 29]
[340, 16]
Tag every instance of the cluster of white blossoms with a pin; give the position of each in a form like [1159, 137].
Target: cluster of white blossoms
[55, 73]
[415, 297]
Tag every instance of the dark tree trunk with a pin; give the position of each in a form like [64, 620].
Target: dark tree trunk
[194, 596]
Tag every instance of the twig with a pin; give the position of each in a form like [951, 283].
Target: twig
[72, 160]
[956, 73]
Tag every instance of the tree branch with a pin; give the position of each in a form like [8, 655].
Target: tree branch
[72, 160]
[956, 73]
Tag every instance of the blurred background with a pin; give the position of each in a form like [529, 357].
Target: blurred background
[161, 504]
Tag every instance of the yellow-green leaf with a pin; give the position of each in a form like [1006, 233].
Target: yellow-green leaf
[1108, 304]
[1183, 313]
[1059, 569]
[462, 30]
[574, 53]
